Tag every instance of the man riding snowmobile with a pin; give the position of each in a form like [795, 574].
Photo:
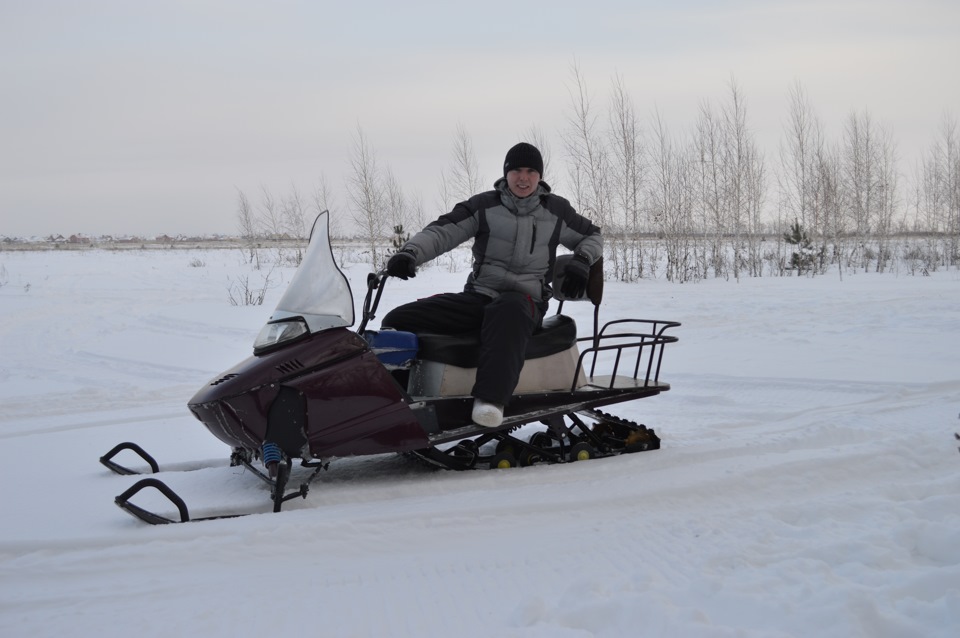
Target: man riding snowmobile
[516, 229]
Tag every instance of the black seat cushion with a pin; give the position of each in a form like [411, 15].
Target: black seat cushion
[556, 334]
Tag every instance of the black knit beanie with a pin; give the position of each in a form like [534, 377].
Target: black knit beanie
[523, 155]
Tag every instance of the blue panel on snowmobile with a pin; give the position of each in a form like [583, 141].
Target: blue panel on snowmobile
[556, 334]
[394, 348]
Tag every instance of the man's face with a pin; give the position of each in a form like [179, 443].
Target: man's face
[523, 181]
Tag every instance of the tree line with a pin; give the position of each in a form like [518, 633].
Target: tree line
[704, 203]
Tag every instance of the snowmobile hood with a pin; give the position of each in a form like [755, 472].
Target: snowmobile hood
[319, 292]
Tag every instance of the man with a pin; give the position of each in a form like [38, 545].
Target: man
[516, 229]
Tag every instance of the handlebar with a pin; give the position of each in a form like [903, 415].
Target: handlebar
[375, 281]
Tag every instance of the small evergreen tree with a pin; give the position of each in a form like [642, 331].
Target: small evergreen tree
[803, 258]
[399, 238]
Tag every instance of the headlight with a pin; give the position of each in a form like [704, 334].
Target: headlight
[279, 333]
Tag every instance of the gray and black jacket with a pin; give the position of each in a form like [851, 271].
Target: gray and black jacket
[515, 240]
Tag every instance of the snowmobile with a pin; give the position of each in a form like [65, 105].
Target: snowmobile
[315, 390]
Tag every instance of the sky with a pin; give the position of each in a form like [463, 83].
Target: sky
[150, 117]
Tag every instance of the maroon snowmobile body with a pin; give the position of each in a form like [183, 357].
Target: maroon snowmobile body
[356, 405]
[314, 389]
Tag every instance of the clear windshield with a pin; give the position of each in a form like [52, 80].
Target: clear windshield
[319, 292]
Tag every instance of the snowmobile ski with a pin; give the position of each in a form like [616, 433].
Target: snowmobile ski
[107, 459]
[277, 479]
[123, 501]
[147, 516]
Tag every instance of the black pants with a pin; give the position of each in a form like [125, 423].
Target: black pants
[505, 325]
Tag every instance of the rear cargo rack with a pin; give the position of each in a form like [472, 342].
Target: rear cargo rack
[645, 336]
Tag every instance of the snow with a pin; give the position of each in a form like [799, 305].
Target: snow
[808, 484]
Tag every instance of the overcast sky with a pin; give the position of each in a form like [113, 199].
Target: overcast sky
[146, 117]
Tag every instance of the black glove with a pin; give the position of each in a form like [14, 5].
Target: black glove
[575, 275]
[403, 264]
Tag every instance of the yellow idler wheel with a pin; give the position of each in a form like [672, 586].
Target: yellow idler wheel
[582, 452]
[503, 461]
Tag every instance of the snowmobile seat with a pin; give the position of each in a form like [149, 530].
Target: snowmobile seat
[396, 349]
[556, 334]
[446, 364]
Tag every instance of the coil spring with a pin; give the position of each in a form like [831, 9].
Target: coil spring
[270, 452]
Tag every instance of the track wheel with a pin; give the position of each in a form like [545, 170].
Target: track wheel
[528, 457]
[503, 460]
[582, 452]
[542, 440]
[505, 445]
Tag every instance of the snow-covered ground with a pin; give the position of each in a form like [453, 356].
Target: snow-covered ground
[808, 484]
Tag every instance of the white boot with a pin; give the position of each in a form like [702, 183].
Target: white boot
[489, 415]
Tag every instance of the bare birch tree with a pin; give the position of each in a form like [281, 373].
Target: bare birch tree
[323, 200]
[755, 195]
[869, 178]
[446, 199]
[269, 215]
[799, 149]
[670, 199]
[746, 186]
[833, 204]
[712, 182]
[294, 214]
[857, 160]
[951, 168]
[247, 226]
[538, 138]
[731, 188]
[417, 212]
[888, 193]
[587, 155]
[932, 206]
[398, 210]
[271, 223]
[627, 170]
[365, 190]
[938, 194]
[465, 177]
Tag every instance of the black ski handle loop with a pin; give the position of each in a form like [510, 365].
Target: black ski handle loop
[123, 499]
[107, 459]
